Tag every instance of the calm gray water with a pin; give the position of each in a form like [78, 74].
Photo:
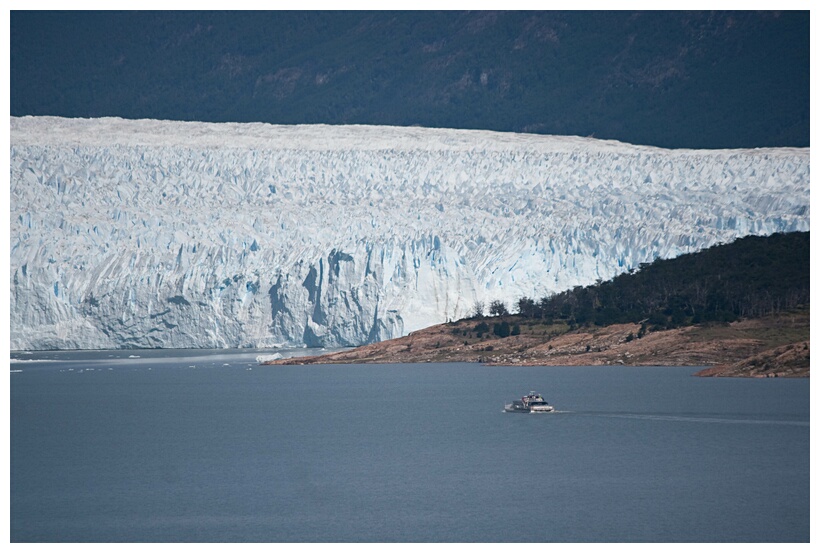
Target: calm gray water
[208, 447]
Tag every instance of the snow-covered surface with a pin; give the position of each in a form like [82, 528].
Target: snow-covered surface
[263, 358]
[172, 234]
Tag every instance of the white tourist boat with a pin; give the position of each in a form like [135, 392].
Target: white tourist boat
[530, 403]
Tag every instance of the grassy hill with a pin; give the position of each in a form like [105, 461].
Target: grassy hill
[742, 309]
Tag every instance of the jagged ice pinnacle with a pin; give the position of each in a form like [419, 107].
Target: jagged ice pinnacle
[184, 235]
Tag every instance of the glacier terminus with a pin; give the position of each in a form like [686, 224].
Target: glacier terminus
[143, 233]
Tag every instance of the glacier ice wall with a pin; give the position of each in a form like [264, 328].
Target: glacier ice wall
[170, 234]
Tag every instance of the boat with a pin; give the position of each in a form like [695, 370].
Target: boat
[530, 403]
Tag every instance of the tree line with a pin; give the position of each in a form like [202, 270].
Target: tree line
[751, 277]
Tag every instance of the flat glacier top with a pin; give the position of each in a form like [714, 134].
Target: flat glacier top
[109, 131]
[174, 234]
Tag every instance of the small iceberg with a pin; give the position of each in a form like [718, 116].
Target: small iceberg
[263, 358]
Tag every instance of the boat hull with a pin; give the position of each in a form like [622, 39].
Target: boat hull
[512, 408]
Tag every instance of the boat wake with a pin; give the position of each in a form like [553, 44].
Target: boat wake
[680, 418]
[675, 418]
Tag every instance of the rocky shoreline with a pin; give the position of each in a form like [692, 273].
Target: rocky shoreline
[770, 347]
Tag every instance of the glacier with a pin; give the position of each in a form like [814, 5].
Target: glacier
[143, 233]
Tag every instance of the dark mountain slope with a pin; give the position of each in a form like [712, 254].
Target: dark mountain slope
[672, 79]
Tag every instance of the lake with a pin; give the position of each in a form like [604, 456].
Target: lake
[207, 446]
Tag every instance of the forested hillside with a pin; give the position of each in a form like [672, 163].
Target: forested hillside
[751, 277]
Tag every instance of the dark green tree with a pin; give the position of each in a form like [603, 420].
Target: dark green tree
[498, 309]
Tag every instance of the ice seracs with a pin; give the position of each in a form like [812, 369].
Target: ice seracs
[171, 234]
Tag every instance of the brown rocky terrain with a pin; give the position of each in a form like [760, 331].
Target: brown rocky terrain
[771, 346]
[788, 360]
